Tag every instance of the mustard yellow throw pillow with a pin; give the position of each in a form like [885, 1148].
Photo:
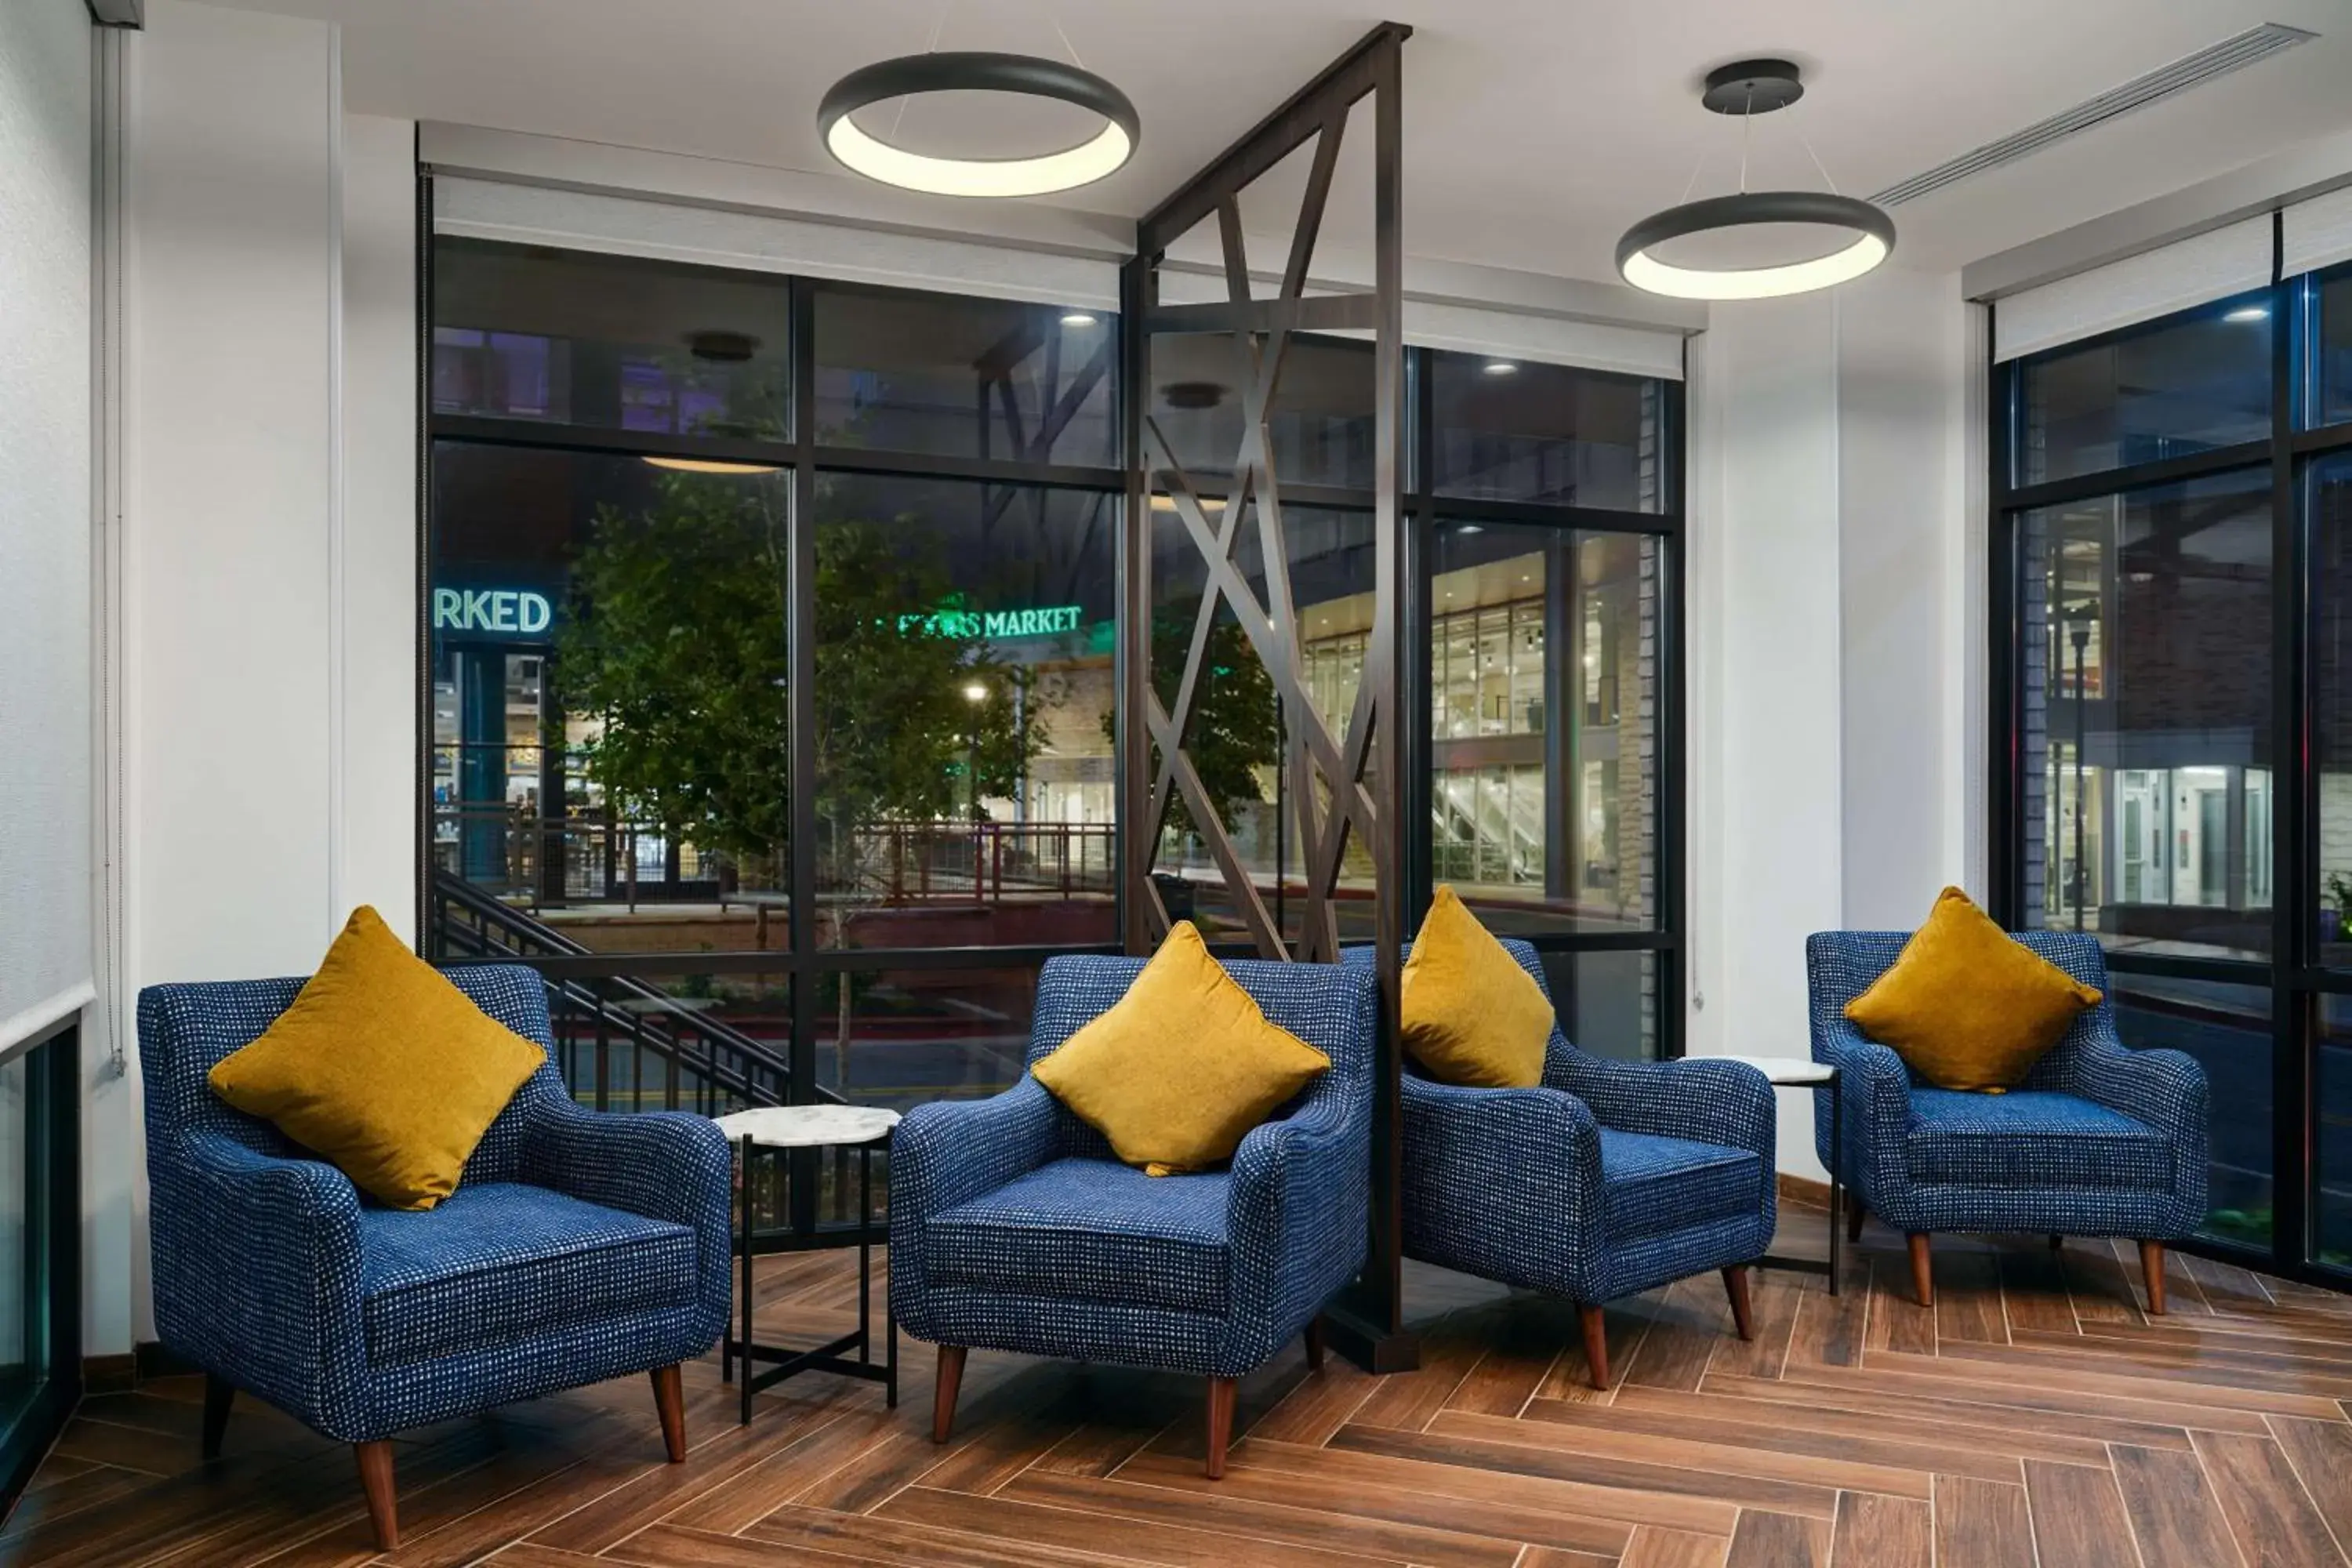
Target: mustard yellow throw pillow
[1183, 1067]
[1965, 1005]
[382, 1067]
[1472, 1016]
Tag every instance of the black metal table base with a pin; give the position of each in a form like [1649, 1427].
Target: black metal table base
[1837, 1165]
[830, 1356]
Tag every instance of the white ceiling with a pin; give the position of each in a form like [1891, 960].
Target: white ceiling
[1536, 130]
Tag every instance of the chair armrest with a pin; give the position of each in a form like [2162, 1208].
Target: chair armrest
[257, 1269]
[663, 1164]
[952, 1151]
[2165, 1088]
[1712, 1101]
[1300, 1200]
[1875, 1088]
[1486, 1169]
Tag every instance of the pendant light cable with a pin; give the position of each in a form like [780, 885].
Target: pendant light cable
[930, 47]
[1068, 46]
[1747, 133]
[1816, 157]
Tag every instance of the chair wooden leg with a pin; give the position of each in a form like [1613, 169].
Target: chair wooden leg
[1220, 1424]
[1735, 1285]
[2151, 1263]
[1596, 1344]
[669, 1400]
[1314, 1337]
[943, 1392]
[1855, 1215]
[1923, 1272]
[376, 1476]
[219, 1395]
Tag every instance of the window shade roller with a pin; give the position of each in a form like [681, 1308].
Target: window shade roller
[2188, 272]
[2317, 233]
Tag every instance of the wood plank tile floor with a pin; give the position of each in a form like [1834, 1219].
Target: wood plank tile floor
[2036, 1415]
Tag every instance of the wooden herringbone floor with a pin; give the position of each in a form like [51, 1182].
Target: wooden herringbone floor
[2036, 1415]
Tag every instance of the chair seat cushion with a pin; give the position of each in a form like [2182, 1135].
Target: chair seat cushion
[498, 1262]
[1094, 1230]
[1654, 1184]
[2031, 1138]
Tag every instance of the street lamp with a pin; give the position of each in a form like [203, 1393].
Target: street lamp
[974, 692]
[2079, 617]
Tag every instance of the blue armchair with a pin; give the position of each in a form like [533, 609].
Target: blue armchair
[2097, 1140]
[1012, 1228]
[1606, 1179]
[577, 1247]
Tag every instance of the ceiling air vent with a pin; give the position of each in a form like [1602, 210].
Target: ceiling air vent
[2192, 70]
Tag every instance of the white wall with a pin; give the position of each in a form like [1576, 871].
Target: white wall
[266, 577]
[1833, 624]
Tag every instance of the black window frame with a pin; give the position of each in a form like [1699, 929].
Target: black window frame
[805, 459]
[2293, 973]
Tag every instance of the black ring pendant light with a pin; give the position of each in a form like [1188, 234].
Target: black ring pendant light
[976, 71]
[1750, 87]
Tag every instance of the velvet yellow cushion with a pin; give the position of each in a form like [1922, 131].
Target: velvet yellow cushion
[1472, 1016]
[1966, 1006]
[1179, 1070]
[382, 1067]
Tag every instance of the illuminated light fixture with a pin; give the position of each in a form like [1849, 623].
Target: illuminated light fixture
[2249, 313]
[1750, 87]
[975, 71]
[975, 692]
[710, 465]
[1500, 367]
[1079, 318]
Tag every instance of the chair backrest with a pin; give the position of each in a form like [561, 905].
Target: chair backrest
[1839, 965]
[185, 1029]
[1329, 1006]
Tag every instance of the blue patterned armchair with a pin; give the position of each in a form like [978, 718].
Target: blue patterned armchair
[2097, 1140]
[1606, 1179]
[577, 1247]
[1012, 1226]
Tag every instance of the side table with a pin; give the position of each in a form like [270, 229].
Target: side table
[772, 1130]
[1800, 1072]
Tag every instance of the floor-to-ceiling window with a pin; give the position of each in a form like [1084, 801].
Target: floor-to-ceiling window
[2171, 615]
[696, 536]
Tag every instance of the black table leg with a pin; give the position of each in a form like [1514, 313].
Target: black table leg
[865, 1254]
[747, 1283]
[1837, 1173]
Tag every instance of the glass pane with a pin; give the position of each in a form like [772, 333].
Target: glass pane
[611, 342]
[2228, 1029]
[1319, 426]
[608, 695]
[2329, 506]
[1607, 1001]
[705, 1043]
[964, 690]
[21, 1356]
[2186, 384]
[1543, 739]
[1508, 430]
[900, 1037]
[2146, 703]
[2330, 401]
[953, 376]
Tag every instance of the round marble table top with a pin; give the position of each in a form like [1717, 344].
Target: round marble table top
[1782, 1069]
[808, 1126]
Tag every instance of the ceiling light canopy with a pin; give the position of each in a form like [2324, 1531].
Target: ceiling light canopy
[978, 71]
[1750, 87]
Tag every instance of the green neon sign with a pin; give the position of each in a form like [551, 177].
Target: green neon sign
[1051, 620]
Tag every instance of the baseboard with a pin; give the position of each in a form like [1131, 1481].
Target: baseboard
[1805, 1190]
[109, 1374]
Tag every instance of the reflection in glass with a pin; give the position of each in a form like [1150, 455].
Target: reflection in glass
[2187, 384]
[2147, 704]
[2330, 507]
[2228, 1029]
[614, 343]
[954, 376]
[1543, 693]
[1521, 431]
[964, 700]
[2329, 401]
[609, 710]
[900, 1037]
[1319, 427]
[1607, 1001]
[20, 1355]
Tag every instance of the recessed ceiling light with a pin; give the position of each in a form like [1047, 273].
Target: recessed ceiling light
[1500, 367]
[1078, 318]
[2249, 313]
[1467, 528]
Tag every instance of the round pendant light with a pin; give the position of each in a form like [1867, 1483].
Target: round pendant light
[1750, 87]
[972, 71]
